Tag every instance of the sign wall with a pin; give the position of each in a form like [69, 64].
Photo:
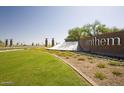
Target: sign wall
[111, 44]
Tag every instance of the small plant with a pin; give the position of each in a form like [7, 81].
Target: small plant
[101, 65]
[115, 63]
[70, 54]
[100, 75]
[91, 61]
[81, 59]
[116, 73]
[90, 58]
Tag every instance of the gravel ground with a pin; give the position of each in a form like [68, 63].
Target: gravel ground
[88, 65]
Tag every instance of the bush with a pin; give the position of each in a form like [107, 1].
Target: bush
[81, 59]
[113, 63]
[100, 75]
[101, 65]
[90, 58]
[69, 53]
[91, 61]
[116, 73]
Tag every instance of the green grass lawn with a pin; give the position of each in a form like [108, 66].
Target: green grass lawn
[35, 68]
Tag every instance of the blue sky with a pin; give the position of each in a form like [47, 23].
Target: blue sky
[34, 24]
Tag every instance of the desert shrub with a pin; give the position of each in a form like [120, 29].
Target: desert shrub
[116, 73]
[62, 54]
[114, 63]
[100, 75]
[56, 52]
[81, 59]
[70, 53]
[101, 65]
[91, 61]
[90, 58]
[67, 53]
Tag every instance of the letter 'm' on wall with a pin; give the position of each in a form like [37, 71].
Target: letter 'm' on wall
[113, 41]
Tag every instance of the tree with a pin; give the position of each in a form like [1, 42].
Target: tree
[32, 44]
[102, 29]
[11, 42]
[93, 29]
[74, 34]
[46, 42]
[6, 42]
[1, 43]
[53, 42]
[115, 29]
[86, 30]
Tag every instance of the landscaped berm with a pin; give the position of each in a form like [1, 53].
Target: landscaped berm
[35, 67]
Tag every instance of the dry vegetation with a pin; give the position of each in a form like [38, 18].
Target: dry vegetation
[81, 59]
[100, 75]
[117, 73]
[103, 71]
[101, 65]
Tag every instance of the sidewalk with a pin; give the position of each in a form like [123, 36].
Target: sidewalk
[10, 50]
